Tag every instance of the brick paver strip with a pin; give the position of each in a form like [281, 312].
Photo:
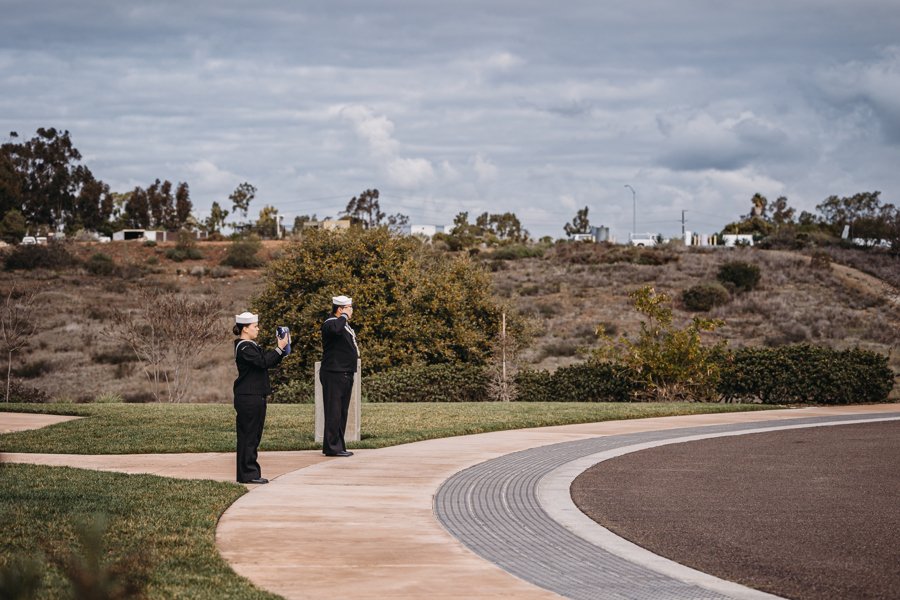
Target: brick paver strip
[493, 509]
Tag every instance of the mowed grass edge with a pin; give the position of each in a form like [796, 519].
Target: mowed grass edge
[169, 428]
[169, 523]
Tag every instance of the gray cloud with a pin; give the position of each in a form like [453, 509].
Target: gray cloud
[469, 106]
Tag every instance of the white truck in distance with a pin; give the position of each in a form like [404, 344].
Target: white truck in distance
[643, 239]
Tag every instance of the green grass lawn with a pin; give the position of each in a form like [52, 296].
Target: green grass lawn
[161, 428]
[172, 522]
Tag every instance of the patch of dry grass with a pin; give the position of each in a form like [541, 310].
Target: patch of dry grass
[565, 300]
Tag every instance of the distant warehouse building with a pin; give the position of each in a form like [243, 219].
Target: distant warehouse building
[427, 231]
[150, 235]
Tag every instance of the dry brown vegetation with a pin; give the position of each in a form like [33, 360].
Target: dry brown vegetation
[567, 293]
[570, 293]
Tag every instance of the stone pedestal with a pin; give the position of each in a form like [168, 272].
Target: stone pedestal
[352, 433]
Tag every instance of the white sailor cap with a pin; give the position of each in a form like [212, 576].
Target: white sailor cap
[245, 318]
[342, 301]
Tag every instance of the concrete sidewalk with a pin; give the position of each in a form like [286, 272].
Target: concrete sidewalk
[364, 526]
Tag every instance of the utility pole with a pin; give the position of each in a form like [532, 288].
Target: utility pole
[503, 337]
[682, 223]
[633, 209]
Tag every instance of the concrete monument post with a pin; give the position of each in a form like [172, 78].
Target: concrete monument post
[354, 414]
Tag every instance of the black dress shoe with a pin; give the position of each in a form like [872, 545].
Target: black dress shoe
[341, 453]
[257, 480]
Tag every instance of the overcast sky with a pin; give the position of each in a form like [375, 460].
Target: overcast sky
[539, 108]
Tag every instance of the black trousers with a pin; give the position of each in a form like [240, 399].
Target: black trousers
[249, 422]
[336, 390]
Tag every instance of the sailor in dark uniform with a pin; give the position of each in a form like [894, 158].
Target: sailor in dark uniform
[250, 390]
[339, 356]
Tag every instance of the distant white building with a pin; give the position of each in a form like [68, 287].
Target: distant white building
[424, 230]
[729, 240]
[134, 234]
[149, 235]
[597, 234]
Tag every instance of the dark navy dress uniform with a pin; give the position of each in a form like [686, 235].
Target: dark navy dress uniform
[250, 390]
[339, 356]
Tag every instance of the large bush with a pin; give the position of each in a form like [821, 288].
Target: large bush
[22, 392]
[101, 264]
[185, 248]
[705, 296]
[808, 374]
[428, 383]
[39, 256]
[742, 275]
[586, 382]
[590, 381]
[413, 305]
[244, 254]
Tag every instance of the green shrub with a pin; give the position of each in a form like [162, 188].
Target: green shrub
[742, 275]
[38, 256]
[590, 381]
[414, 305]
[243, 254]
[534, 386]
[185, 249]
[181, 254]
[428, 383]
[705, 296]
[672, 363]
[295, 391]
[21, 392]
[101, 264]
[149, 243]
[808, 374]
[109, 398]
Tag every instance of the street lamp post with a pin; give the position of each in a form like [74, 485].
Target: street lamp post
[633, 209]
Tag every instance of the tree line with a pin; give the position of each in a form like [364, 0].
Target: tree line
[44, 186]
[862, 217]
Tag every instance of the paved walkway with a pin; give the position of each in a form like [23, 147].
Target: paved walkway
[10, 422]
[365, 526]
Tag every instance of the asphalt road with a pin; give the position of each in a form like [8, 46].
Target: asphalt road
[806, 513]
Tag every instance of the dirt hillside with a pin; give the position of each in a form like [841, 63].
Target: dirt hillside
[73, 357]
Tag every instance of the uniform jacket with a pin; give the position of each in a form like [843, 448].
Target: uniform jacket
[339, 350]
[253, 364]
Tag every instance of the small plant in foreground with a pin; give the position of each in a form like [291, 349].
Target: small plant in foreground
[672, 363]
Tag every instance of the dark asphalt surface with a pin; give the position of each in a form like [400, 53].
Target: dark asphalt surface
[806, 513]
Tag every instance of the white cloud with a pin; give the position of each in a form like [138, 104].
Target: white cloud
[409, 172]
[375, 130]
[502, 61]
[485, 170]
[207, 174]
[568, 202]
